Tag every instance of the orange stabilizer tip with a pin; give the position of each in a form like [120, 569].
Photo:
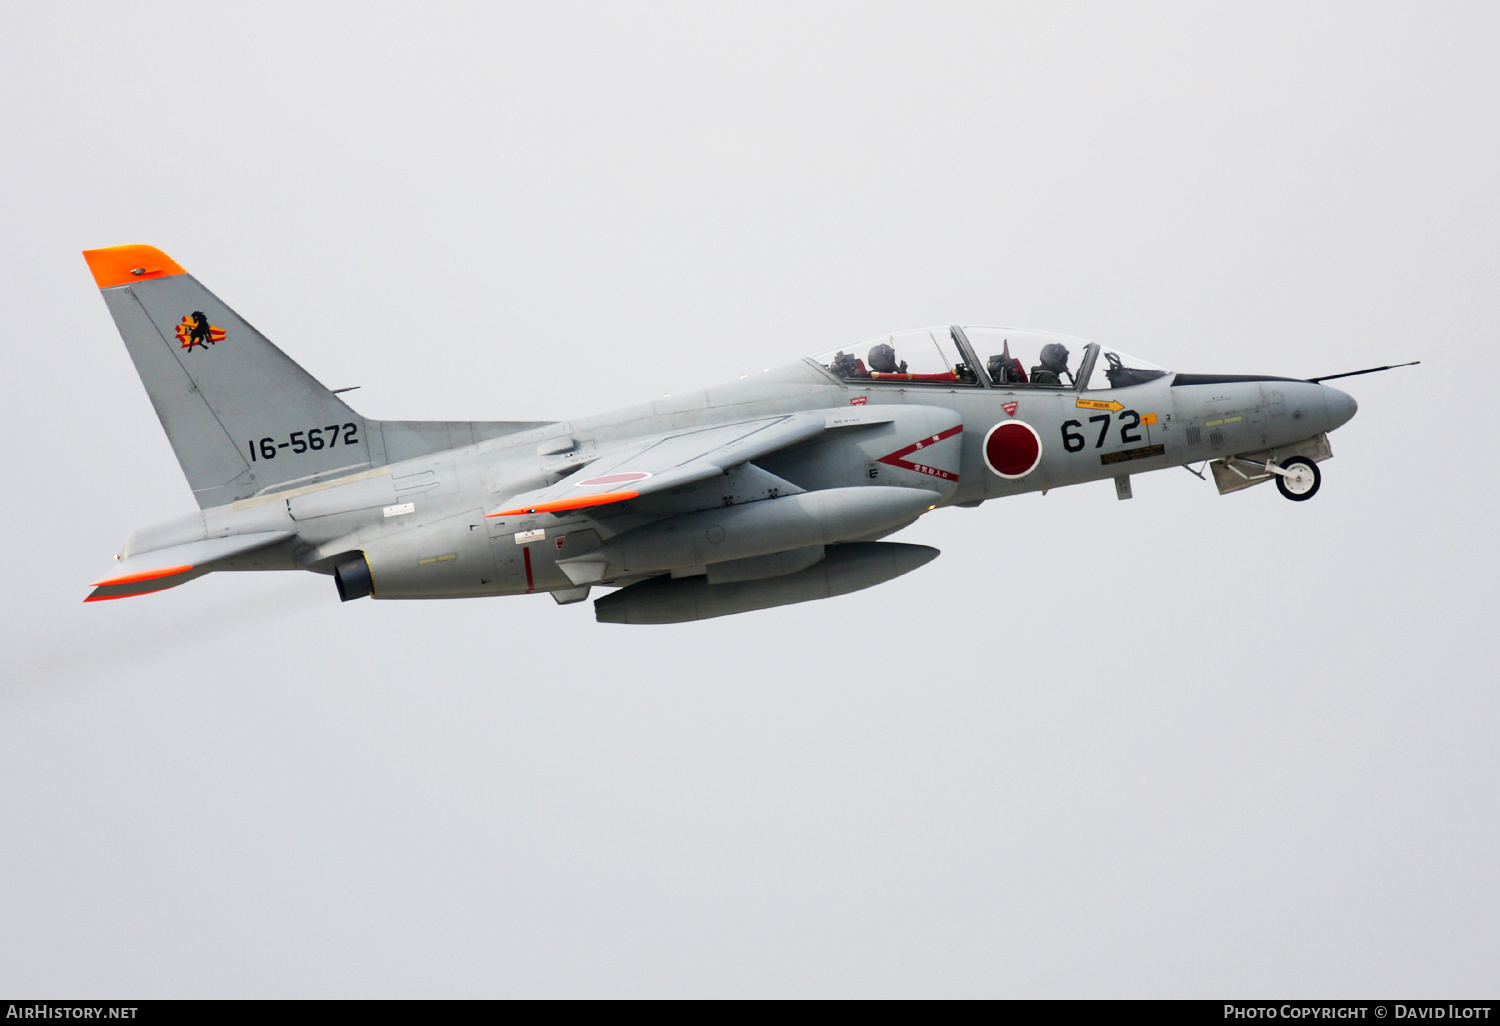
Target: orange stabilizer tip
[121, 265]
[148, 575]
[581, 502]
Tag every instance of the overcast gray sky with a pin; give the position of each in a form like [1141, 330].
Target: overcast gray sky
[1186, 745]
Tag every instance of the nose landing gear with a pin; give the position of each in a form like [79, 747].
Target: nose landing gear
[1297, 478]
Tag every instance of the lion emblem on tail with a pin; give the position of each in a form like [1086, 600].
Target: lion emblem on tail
[196, 331]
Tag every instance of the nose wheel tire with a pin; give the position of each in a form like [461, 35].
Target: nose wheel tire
[1301, 480]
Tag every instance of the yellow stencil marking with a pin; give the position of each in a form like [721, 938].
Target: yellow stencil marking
[1099, 404]
[437, 559]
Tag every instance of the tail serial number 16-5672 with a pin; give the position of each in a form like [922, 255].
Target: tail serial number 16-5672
[301, 441]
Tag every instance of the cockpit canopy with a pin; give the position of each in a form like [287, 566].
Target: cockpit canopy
[925, 355]
[1008, 358]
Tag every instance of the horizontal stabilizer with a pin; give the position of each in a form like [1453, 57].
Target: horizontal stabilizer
[169, 567]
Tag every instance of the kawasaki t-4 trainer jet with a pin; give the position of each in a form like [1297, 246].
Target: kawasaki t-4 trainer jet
[759, 493]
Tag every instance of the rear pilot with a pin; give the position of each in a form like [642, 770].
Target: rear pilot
[1053, 366]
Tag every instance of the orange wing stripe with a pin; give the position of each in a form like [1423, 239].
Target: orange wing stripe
[580, 502]
[117, 265]
[149, 575]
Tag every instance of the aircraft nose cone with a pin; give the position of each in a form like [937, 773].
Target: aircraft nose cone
[1341, 407]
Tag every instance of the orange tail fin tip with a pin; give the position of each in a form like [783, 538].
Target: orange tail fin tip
[121, 265]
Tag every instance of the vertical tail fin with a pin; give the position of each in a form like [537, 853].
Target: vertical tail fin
[240, 414]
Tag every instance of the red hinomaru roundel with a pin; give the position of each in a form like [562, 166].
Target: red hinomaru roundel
[196, 331]
[1012, 448]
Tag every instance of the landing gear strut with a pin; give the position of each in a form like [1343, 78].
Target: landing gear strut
[1297, 477]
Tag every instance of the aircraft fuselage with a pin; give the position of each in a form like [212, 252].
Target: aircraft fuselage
[769, 490]
[424, 521]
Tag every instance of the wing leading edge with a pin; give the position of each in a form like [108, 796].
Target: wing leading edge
[670, 462]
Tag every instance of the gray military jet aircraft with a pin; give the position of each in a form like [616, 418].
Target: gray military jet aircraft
[758, 493]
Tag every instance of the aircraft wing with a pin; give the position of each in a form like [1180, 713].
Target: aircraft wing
[668, 462]
[178, 564]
